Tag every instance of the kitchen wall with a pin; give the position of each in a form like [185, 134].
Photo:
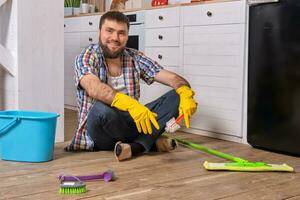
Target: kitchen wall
[33, 31]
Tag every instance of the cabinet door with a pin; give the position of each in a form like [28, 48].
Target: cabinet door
[214, 65]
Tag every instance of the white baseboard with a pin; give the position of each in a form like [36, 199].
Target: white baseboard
[213, 135]
[71, 107]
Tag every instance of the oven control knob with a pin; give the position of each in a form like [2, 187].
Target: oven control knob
[159, 56]
[160, 37]
[160, 17]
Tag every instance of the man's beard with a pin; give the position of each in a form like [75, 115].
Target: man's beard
[108, 54]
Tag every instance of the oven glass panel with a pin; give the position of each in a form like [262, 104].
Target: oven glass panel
[133, 42]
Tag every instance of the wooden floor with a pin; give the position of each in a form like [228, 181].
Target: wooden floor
[175, 175]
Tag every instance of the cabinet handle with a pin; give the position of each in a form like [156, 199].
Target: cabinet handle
[209, 14]
[91, 39]
[90, 23]
[64, 25]
[159, 56]
[160, 17]
[160, 37]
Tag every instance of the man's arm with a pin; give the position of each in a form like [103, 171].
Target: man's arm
[96, 89]
[141, 115]
[170, 79]
[187, 105]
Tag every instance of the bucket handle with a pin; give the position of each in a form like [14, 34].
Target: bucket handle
[10, 124]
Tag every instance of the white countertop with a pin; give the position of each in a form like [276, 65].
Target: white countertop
[157, 7]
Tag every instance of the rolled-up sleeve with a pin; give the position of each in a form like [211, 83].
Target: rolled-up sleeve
[149, 68]
[85, 63]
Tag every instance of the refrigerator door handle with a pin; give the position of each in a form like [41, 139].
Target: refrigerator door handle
[253, 2]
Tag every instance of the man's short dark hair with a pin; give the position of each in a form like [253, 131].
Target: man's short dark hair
[115, 16]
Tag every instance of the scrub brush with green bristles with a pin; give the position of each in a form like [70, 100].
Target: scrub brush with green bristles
[72, 187]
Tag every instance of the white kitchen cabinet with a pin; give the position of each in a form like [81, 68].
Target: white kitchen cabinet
[79, 33]
[162, 37]
[204, 42]
[72, 48]
[213, 60]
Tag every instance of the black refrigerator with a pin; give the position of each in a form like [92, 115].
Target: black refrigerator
[274, 76]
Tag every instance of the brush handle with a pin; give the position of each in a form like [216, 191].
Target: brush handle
[106, 176]
[179, 119]
[210, 151]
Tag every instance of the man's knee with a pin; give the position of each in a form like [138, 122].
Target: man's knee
[102, 112]
[173, 98]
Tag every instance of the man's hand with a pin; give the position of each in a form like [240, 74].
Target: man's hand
[141, 115]
[187, 105]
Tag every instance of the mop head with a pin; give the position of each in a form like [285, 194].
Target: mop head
[248, 167]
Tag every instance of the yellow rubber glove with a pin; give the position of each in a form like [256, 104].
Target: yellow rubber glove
[187, 105]
[141, 115]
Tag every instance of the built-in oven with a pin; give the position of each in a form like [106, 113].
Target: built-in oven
[136, 38]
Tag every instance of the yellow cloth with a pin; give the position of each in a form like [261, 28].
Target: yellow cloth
[187, 105]
[141, 115]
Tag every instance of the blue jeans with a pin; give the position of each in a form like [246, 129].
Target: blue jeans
[107, 125]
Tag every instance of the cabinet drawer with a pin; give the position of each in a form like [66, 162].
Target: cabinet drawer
[212, 36]
[87, 38]
[165, 56]
[219, 13]
[162, 18]
[90, 23]
[72, 24]
[162, 37]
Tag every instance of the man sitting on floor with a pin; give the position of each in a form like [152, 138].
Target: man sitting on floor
[108, 88]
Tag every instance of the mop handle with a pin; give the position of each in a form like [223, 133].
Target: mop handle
[207, 150]
[210, 151]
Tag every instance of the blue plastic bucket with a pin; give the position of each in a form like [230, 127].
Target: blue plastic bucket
[27, 136]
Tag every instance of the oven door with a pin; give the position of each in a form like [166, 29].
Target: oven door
[136, 38]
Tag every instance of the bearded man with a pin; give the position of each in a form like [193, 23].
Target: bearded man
[107, 77]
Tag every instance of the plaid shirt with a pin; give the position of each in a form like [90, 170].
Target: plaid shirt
[91, 61]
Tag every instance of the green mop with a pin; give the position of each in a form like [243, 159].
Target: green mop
[238, 164]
